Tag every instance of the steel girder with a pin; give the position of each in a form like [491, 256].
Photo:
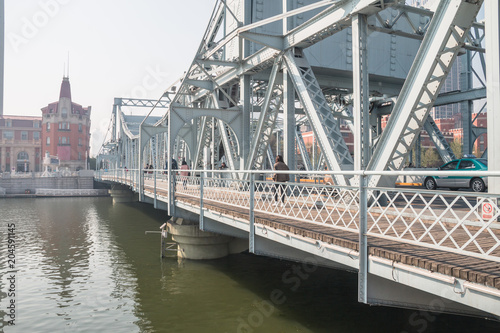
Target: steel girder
[330, 21]
[204, 138]
[303, 151]
[270, 156]
[442, 42]
[180, 115]
[319, 114]
[267, 121]
[361, 92]
[439, 140]
[149, 103]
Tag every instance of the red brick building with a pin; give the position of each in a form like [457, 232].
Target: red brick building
[451, 128]
[20, 144]
[66, 130]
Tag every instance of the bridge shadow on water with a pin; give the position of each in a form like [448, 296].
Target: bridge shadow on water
[324, 300]
[246, 293]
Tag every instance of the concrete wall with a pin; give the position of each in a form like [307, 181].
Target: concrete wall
[14, 185]
[71, 192]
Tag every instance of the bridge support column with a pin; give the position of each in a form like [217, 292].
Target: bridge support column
[193, 243]
[122, 193]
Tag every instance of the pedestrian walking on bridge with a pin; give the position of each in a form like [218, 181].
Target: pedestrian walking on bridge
[280, 179]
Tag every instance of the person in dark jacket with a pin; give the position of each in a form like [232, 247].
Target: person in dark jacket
[280, 178]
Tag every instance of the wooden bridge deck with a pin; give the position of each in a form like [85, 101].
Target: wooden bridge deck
[472, 269]
[468, 268]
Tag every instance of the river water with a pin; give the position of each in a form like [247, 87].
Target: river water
[86, 265]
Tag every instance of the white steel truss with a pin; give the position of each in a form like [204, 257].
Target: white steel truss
[266, 122]
[303, 151]
[439, 140]
[442, 42]
[320, 116]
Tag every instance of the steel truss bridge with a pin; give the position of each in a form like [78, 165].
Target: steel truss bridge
[265, 71]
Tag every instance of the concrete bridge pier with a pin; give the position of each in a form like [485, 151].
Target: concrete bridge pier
[193, 243]
[122, 193]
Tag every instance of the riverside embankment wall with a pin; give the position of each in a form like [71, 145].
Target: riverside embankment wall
[22, 185]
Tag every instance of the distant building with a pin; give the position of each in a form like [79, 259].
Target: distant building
[20, 143]
[66, 130]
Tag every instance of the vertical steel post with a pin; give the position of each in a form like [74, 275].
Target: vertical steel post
[154, 203]
[363, 241]
[141, 178]
[360, 92]
[361, 89]
[466, 107]
[289, 127]
[492, 33]
[202, 225]
[251, 235]
[168, 158]
[245, 92]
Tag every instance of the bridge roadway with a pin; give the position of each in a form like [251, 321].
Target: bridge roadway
[472, 277]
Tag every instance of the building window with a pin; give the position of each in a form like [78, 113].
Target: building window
[48, 141]
[24, 135]
[63, 140]
[64, 126]
[36, 135]
[79, 155]
[48, 127]
[79, 127]
[79, 141]
[36, 124]
[22, 156]
[64, 112]
[8, 123]
[51, 110]
[8, 135]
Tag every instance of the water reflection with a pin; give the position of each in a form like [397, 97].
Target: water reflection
[86, 265]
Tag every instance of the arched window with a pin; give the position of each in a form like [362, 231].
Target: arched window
[22, 156]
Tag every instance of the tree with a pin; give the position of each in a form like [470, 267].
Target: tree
[457, 148]
[430, 158]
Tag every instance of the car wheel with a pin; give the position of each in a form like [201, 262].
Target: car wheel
[477, 185]
[430, 183]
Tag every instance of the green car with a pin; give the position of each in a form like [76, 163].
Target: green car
[476, 184]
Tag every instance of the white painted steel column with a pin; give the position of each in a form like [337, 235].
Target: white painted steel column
[492, 14]
[141, 173]
[202, 223]
[361, 141]
[245, 89]
[170, 142]
[251, 232]
[289, 129]
[363, 241]
[360, 92]
[246, 108]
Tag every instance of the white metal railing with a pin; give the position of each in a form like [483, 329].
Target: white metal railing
[460, 222]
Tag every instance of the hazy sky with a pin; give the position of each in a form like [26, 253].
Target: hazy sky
[131, 48]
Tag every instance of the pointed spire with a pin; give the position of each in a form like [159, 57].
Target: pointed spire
[65, 88]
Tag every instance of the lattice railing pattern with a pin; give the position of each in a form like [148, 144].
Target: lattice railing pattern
[459, 222]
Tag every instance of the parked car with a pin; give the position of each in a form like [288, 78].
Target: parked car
[476, 184]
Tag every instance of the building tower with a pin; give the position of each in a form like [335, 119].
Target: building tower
[66, 130]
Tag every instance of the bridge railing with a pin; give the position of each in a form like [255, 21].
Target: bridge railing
[459, 222]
